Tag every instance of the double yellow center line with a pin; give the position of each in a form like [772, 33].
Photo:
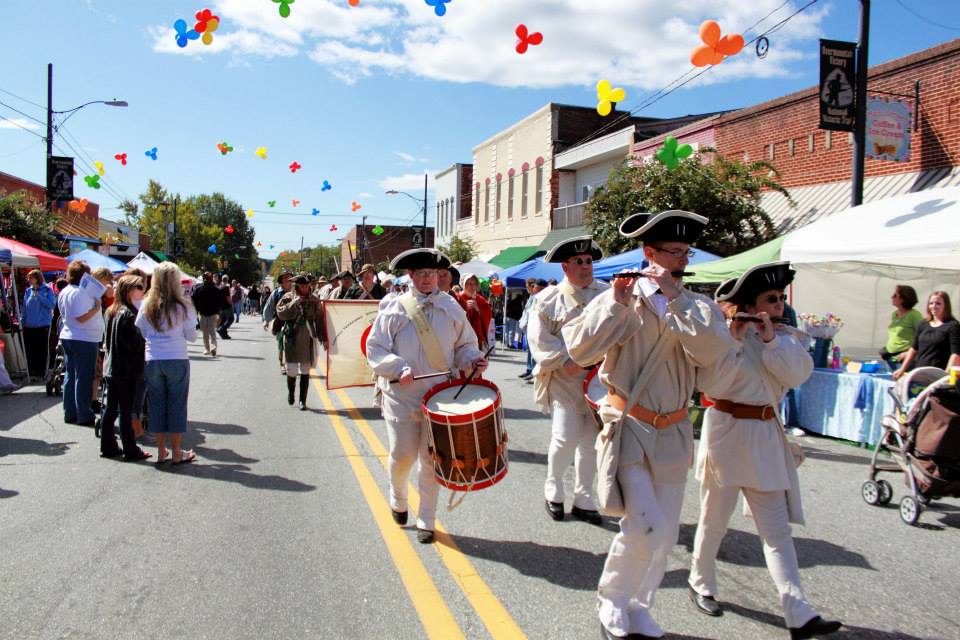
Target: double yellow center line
[435, 615]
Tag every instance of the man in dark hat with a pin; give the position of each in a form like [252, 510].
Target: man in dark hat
[299, 310]
[448, 277]
[558, 380]
[653, 331]
[346, 283]
[397, 352]
[367, 288]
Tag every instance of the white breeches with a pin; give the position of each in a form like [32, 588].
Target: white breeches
[573, 440]
[638, 554]
[408, 441]
[298, 368]
[769, 509]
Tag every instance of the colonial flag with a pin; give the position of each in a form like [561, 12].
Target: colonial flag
[348, 322]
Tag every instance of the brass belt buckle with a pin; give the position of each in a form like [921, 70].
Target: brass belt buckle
[767, 413]
[656, 420]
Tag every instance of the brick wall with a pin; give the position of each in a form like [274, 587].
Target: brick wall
[819, 156]
[382, 248]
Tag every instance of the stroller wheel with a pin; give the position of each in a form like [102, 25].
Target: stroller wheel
[886, 491]
[910, 510]
[870, 492]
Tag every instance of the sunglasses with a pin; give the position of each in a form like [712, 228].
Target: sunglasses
[581, 261]
[774, 299]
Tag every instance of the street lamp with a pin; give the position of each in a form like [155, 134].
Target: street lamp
[393, 192]
[69, 112]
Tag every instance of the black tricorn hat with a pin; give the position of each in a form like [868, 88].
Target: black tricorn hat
[454, 275]
[756, 280]
[566, 249]
[420, 259]
[344, 274]
[667, 226]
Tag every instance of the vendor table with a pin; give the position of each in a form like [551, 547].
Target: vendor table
[844, 405]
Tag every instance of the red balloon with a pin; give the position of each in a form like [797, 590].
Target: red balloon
[229, 228]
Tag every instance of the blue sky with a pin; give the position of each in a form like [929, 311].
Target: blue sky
[370, 97]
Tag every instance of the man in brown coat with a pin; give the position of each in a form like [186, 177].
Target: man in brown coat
[300, 312]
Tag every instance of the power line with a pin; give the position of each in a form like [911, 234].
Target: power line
[17, 124]
[926, 19]
[23, 113]
[9, 93]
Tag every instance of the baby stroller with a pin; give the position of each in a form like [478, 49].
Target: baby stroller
[923, 437]
[56, 371]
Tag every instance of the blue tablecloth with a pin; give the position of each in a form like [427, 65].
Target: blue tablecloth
[844, 405]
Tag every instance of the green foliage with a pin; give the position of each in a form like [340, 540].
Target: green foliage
[317, 260]
[459, 249]
[26, 221]
[725, 191]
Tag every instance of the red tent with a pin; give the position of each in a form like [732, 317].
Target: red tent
[48, 261]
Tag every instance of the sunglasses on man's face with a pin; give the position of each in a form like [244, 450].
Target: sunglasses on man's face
[774, 299]
[581, 261]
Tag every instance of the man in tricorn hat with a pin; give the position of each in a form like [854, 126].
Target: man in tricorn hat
[558, 380]
[299, 310]
[346, 282]
[367, 288]
[645, 322]
[419, 332]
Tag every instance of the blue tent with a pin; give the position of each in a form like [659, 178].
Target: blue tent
[604, 269]
[97, 260]
[516, 276]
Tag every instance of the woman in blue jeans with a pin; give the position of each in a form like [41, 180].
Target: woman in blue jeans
[167, 322]
[80, 336]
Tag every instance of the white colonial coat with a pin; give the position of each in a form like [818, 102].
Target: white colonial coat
[393, 346]
[623, 337]
[551, 311]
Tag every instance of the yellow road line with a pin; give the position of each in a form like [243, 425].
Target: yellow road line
[494, 615]
[434, 613]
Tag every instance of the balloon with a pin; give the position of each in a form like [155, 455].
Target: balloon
[212, 248]
[525, 39]
[607, 95]
[672, 152]
[92, 181]
[262, 152]
[439, 6]
[259, 244]
[272, 203]
[78, 205]
[354, 3]
[333, 227]
[294, 166]
[377, 230]
[224, 148]
[207, 23]
[271, 246]
[356, 206]
[284, 7]
[99, 166]
[295, 202]
[315, 212]
[250, 213]
[714, 48]
[183, 36]
[152, 153]
[326, 186]
[229, 228]
[122, 157]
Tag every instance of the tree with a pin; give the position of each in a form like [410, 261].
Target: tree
[459, 249]
[725, 191]
[26, 221]
[317, 260]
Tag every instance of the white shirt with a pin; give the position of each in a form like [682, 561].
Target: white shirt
[171, 343]
[73, 302]
[651, 290]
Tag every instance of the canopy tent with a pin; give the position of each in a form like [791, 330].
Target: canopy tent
[478, 268]
[733, 266]
[46, 261]
[17, 260]
[98, 260]
[513, 256]
[143, 262]
[606, 268]
[536, 268]
[850, 262]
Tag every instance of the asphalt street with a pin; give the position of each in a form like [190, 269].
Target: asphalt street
[281, 530]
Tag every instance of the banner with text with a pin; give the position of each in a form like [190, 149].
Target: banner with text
[837, 82]
[888, 129]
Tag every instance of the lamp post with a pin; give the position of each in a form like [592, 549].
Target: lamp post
[393, 192]
[69, 112]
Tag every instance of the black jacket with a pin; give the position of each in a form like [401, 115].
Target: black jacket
[207, 299]
[124, 346]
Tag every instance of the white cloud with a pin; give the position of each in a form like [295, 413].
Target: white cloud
[409, 157]
[412, 182]
[19, 123]
[365, 195]
[637, 44]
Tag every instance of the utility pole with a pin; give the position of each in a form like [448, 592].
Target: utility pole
[860, 103]
[362, 244]
[175, 200]
[425, 209]
[300, 262]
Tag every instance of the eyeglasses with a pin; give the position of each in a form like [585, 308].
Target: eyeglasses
[677, 253]
[774, 299]
[425, 273]
[581, 261]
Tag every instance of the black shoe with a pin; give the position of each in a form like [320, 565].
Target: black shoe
[303, 406]
[706, 604]
[815, 627]
[555, 510]
[400, 517]
[111, 454]
[72, 421]
[88, 423]
[587, 515]
[607, 635]
[96, 427]
[291, 388]
[304, 388]
[525, 375]
[424, 536]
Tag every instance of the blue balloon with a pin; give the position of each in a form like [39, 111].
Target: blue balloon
[212, 248]
[183, 36]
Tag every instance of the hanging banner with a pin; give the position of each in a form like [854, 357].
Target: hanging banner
[888, 129]
[347, 323]
[837, 80]
[59, 179]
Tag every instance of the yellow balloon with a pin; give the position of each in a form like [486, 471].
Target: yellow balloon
[618, 95]
[604, 107]
[207, 38]
[262, 152]
[212, 25]
[99, 166]
[250, 213]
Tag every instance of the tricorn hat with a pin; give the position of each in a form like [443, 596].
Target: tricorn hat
[420, 259]
[666, 226]
[566, 249]
[344, 274]
[756, 280]
[301, 278]
[367, 267]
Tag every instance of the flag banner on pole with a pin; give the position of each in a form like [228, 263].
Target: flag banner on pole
[348, 323]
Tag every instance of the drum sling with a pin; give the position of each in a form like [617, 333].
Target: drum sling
[428, 337]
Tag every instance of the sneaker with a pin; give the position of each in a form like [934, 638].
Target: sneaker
[796, 431]
[525, 375]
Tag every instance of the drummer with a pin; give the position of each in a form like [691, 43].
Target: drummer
[743, 447]
[626, 324]
[397, 352]
[558, 380]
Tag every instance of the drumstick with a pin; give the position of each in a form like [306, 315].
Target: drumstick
[638, 274]
[472, 373]
[424, 376]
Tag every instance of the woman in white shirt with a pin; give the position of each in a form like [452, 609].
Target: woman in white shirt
[167, 322]
[80, 337]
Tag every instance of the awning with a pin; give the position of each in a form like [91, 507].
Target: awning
[558, 235]
[78, 227]
[47, 261]
[734, 266]
[159, 256]
[513, 256]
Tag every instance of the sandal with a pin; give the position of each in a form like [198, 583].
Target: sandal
[161, 458]
[186, 457]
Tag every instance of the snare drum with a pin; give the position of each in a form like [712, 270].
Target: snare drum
[468, 442]
[593, 393]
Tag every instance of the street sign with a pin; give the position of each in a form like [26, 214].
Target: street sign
[417, 237]
[59, 178]
[179, 247]
[837, 82]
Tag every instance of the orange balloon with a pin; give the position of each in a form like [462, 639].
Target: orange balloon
[710, 32]
[730, 45]
[705, 55]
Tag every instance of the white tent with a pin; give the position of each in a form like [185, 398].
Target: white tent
[143, 262]
[850, 262]
[478, 268]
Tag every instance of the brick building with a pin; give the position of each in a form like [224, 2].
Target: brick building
[375, 249]
[77, 230]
